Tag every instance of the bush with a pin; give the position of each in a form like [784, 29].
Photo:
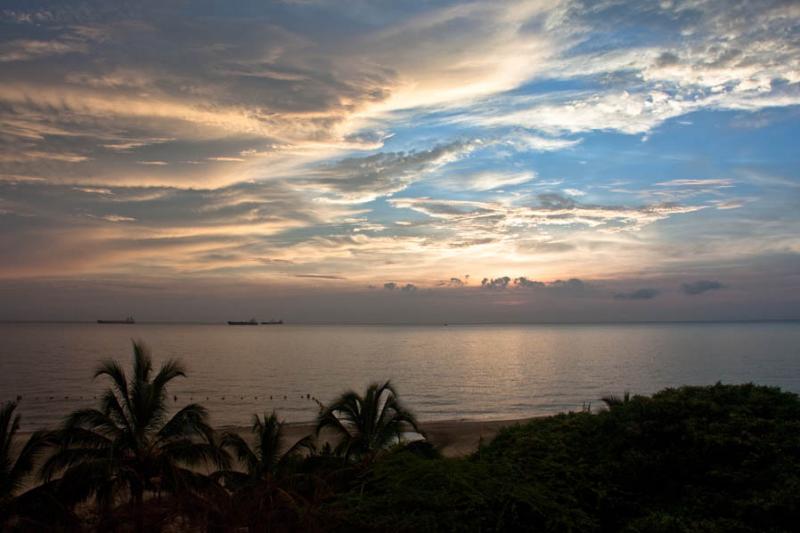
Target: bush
[718, 458]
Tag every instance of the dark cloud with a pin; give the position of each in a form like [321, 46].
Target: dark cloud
[571, 285]
[639, 294]
[318, 276]
[361, 179]
[392, 286]
[556, 201]
[699, 287]
[528, 283]
[495, 283]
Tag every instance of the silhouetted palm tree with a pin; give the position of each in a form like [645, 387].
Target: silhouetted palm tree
[268, 457]
[263, 493]
[15, 467]
[366, 425]
[129, 447]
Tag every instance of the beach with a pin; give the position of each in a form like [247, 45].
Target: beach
[453, 438]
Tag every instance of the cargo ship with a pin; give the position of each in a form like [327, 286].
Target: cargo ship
[272, 323]
[251, 322]
[128, 320]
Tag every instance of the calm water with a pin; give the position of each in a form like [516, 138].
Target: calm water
[475, 372]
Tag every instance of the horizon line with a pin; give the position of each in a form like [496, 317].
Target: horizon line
[433, 324]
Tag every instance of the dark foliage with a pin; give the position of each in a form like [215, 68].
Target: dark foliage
[367, 425]
[127, 454]
[719, 458]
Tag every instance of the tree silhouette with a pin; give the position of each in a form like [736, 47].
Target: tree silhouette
[365, 425]
[128, 447]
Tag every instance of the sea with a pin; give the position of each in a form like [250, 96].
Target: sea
[455, 372]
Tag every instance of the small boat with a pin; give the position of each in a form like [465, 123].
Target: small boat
[251, 322]
[128, 320]
[272, 323]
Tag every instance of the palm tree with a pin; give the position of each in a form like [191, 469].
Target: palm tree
[128, 447]
[263, 490]
[366, 425]
[14, 470]
[268, 458]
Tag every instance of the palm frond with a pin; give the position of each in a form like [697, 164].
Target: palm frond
[304, 445]
[27, 458]
[191, 453]
[9, 424]
[67, 460]
[142, 362]
[119, 380]
[367, 424]
[242, 451]
[190, 420]
[169, 370]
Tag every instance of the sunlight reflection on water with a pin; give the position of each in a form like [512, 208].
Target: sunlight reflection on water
[476, 372]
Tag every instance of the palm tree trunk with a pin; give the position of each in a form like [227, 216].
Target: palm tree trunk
[138, 509]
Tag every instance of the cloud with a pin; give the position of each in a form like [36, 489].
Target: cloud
[706, 58]
[638, 294]
[522, 281]
[495, 283]
[487, 181]
[117, 218]
[697, 183]
[553, 210]
[408, 287]
[382, 143]
[319, 276]
[572, 285]
[700, 287]
[363, 179]
[29, 49]
[537, 143]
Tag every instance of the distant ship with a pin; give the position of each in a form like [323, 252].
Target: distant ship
[251, 322]
[128, 320]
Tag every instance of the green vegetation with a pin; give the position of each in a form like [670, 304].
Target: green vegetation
[717, 458]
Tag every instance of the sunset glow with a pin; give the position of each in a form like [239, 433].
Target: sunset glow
[400, 162]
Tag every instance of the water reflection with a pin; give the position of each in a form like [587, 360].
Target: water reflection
[442, 373]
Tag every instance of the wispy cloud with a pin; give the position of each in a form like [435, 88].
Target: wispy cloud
[374, 145]
[699, 287]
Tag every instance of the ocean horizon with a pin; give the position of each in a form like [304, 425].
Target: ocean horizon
[471, 372]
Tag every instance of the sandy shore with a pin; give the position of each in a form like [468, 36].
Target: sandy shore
[455, 438]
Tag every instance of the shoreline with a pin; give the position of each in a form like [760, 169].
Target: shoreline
[454, 438]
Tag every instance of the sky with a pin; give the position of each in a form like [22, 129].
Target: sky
[395, 162]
